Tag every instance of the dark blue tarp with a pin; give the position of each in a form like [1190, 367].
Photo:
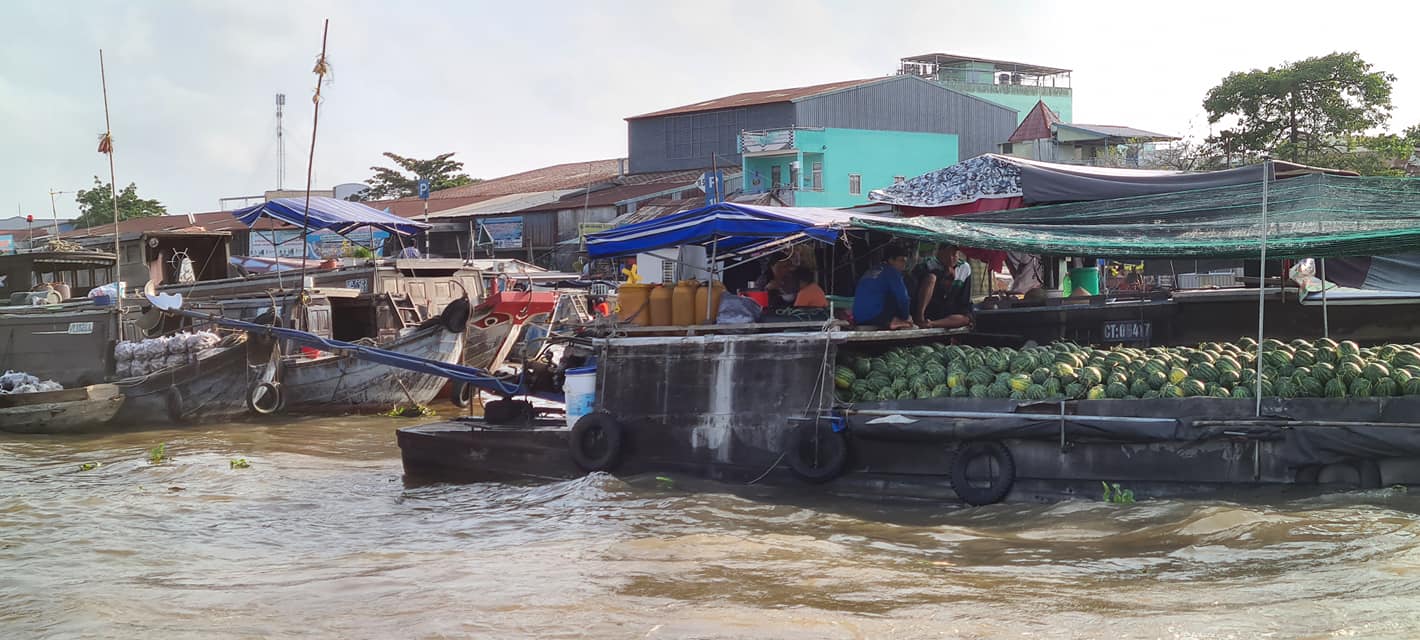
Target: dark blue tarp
[340, 216]
[730, 227]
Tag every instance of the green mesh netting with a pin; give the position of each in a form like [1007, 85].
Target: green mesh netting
[1315, 215]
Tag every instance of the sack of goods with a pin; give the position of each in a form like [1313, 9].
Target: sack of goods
[163, 352]
[21, 382]
[1065, 371]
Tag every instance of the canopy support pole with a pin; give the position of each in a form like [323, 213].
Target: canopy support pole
[709, 297]
[1262, 280]
[320, 71]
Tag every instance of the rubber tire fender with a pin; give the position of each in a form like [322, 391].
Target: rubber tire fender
[980, 496]
[272, 389]
[599, 422]
[1368, 473]
[833, 444]
[173, 403]
[461, 394]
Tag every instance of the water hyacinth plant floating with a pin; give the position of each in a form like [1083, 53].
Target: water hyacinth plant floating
[158, 454]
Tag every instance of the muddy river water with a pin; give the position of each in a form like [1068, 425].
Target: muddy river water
[320, 537]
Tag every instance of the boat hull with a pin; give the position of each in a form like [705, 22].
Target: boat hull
[65, 411]
[334, 383]
[209, 388]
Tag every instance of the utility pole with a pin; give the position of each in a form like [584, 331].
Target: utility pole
[280, 143]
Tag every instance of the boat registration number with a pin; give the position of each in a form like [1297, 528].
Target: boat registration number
[1128, 331]
[361, 284]
[81, 328]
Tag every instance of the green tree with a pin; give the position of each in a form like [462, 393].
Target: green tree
[1300, 111]
[96, 206]
[441, 171]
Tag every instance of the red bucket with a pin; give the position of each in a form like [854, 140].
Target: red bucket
[762, 297]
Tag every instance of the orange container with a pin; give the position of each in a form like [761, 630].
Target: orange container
[660, 305]
[632, 302]
[683, 303]
[711, 293]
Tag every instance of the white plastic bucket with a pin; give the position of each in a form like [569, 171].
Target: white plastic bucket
[580, 391]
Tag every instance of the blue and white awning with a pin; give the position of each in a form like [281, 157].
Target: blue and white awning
[340, 216]
[731, 228]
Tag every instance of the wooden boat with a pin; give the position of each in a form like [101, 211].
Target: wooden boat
[207, 388]
[68, 342]
[341, 383]
[64, 411]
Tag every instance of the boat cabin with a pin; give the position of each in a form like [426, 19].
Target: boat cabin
[78, 271]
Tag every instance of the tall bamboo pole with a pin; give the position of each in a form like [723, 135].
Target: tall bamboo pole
[321, 69]
[107, 149]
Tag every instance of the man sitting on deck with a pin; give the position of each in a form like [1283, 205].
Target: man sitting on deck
[881, 296]
[943, 296]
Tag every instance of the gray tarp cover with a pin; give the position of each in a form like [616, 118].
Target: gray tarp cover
[1304, 442]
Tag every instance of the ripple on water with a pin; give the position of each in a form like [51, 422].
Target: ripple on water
[320, 537]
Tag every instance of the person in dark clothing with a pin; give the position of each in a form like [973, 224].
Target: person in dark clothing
[942, 297]
[881, 297]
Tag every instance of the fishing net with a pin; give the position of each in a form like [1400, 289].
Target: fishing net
[1314, 215]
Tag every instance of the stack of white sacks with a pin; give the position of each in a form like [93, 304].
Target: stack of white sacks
[164, 352]
[21, 382]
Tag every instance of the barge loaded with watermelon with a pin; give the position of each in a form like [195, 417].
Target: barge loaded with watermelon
[908, 414]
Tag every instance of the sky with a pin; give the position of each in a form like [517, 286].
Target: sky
[511, 86]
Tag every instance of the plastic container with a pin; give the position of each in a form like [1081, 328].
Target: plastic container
[711, 293]
[632, 301]
[1087, 278]
[761, 297]
[580, 392]
[683, 303]
[660, 305]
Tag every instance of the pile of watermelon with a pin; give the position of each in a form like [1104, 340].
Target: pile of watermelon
[1300, 369]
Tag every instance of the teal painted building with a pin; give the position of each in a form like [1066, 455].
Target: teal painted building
[833, 167]
[1011, 84]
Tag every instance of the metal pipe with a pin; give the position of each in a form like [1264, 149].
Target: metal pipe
[1003, 414]
[1325, 314]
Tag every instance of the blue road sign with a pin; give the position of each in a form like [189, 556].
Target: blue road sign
[423, 188]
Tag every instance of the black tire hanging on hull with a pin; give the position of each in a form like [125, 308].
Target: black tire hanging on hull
[815, 452]
[998, 486]
[595, 442]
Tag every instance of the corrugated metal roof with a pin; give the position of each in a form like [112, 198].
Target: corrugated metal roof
[1112, 131]
[571, 175]
[504, 204]
[761, 97]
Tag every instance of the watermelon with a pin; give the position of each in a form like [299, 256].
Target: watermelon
[1229, 378]
[1286, 388]
[1064, 371]
[1227, 363]
[1334, 388]
[1039, 375]
[1074, 390]
[979, 390]
[1090, 376]
[1116, 390]
[1361, 388]
[1191, 387]
[1247, 343]
[1177, 375]
[1035, 392]
[1411, 387]
[974, 359]
[1019, 382]
[843, 377]
[1170, 390]
[1323, 372]
[1156, 379]
[1304, 358]
[1204, 371]
[1374, 371]
[1022, 363]
[1348, 373]
[1406, 357]
[1139, 387]
[1348, 348]
[980, 376]
[1386, 387]
[1401, 376]
[1053, 387]
[1096, 393]
[1309, 388]
[1241, 392]
[998, 362]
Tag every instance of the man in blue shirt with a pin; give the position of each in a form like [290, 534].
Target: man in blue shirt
[881, 296]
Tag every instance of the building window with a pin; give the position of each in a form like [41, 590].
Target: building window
[793, 175]
[817, 176]
[667, 271]
[855, 184]
[776, 176]
[1007, 148]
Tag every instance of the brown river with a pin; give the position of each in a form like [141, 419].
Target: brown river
[320, 537]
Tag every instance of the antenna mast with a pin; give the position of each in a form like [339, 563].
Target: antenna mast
[280, 144]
